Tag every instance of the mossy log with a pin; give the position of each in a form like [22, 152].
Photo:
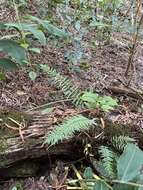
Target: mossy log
[22, 136]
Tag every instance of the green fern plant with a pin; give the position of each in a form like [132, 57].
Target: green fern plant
[119, 142]
[108, 163]
[69, 90]
[109, 159]
[98, 165]
[67, 129]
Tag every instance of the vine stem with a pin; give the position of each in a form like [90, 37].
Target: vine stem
[135, 40]
[127, 183]
[19, 22]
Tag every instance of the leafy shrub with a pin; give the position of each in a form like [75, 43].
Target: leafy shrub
[93, 100]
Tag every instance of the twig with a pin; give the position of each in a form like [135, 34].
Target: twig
[48, 104]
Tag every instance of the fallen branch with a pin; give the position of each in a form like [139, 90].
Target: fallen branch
[126, 91]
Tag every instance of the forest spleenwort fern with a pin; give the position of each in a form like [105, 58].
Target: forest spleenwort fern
[63, 83]
[67, 129]
[119, 142]
[108, 160]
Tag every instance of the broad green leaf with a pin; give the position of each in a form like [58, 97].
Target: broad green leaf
[2, 26]
[107, 103]
[53, 30]
[101, 186]
[35, 50]
[124, 187]
[38, 34]
[32, 28]
[90, 97]
[21, 26]
[13, 49]
[7, 64]
[32, 75]
[130, 163]
[140, 181]
[88, 173]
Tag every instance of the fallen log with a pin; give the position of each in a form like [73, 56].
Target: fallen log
[22, 138]
[25, 140]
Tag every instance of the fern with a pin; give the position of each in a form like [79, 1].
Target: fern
[108, 160]
[63, 83]
[98, 165]
[68, 128]
[119, 142]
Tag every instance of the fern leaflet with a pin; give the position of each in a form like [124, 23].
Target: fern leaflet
[119, 142]
[63, 83]
[67, 129]
[108, 160]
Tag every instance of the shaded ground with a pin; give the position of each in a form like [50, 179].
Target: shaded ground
[106, 67]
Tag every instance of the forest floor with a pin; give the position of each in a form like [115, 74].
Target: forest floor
[103, 71]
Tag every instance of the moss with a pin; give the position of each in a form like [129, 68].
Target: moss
[3, 145]
[6, 132]
[6, 117]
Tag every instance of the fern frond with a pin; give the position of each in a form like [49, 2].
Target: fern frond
[108, 160]
[67, 129]
[98, 165]
[119, 142]
[63, 83]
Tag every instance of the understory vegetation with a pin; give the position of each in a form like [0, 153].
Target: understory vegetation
[99, 115]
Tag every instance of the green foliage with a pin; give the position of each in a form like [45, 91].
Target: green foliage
[16, 53]
[101, 185]
[93, 100]
[7, 64]
[128, 175]
[129, 165]
[108, 160]
[17, 49]
[119, 142]
[70, 91]
[89, 99]
[14, 50]
[68, 128]
[88, 173]
[26, 29]
[53, 30]
[32, 75]
[14, 188]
